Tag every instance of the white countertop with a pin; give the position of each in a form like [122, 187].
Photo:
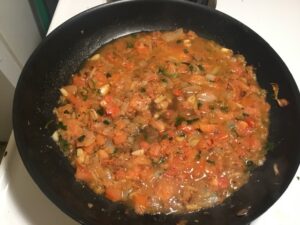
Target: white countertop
[277, 21]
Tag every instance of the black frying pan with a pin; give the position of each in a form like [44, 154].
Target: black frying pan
[62, 53]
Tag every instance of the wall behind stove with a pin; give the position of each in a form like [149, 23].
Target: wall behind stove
[19, 36]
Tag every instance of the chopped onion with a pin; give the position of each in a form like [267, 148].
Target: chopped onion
[55, 136]
[210, 77]
[63, 92]
[172, 35]
[138, 152]
[206, 97]
[193, 89]
[104, 89]
[95, 57]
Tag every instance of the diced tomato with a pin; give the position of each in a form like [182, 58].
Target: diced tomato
[144, 145]
[120, 137]
[155, 150]
[140, 202]
[177, 92]
[223, 182]
[79, 81]
[111, 108]
[100, 139]
[83, 174]
[113, 193]
[250, 122]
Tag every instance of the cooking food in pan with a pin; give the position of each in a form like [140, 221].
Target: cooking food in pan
[164, 122]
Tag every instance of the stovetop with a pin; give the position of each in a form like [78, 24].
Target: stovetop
[277, 21]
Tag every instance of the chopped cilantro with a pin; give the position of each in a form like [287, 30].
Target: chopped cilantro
[63, 144]
[164, 136]
[166, 73]
[269, 146]
[224, 108]
[129, 45]
[106, 122]
[199, 104]
[198, 156]
[211, 107]
[100, 111]
[201, 68]
[81, 138]
[143, 89]
[159, 161]
[210, 161]
[84, 97]
[192, 120]
[185, 51]
[179, 41]
[250, 165]
[60, 125]
[108, 74]
[181, 134]
[178, 121]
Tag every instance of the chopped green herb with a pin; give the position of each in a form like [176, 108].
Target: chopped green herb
[159, 161]
[60, 125]
[162, 160]
[191, 68]
[210, 161]
[179, 41]
[133, 35]
[101, 111]
[242, 116]
[108, 74]
[143, 89]
[298, 178]
[211, 107]
[185, 51]
[164, 80]
[224, 108]
[201, 68]
[63, 144]
[199, 130]
[162, 71]
[199, 104]
[233, 131]
[84, 97]
[165, 73]
[198, 156]
[250, 165]
[164, 136]
[66, 112]
[129, 45]
[181, 134]
[106, 122]
[192, 120]
[81, 138]
[178, 121]
[269, 146]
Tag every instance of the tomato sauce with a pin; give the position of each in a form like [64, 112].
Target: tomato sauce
[165, 122]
